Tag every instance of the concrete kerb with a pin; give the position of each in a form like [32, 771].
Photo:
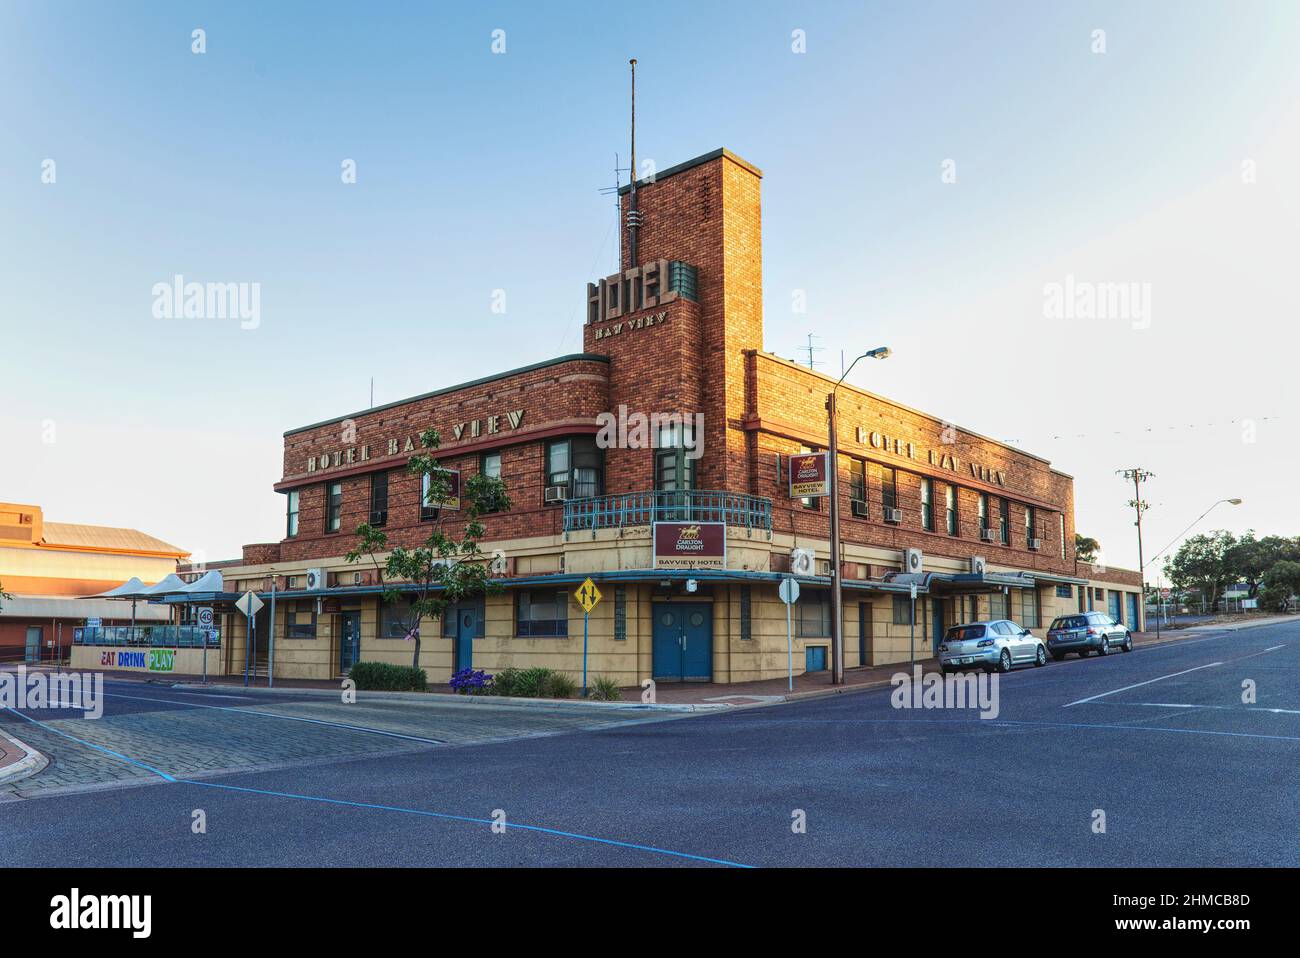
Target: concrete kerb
[31, 762]
[470, 701]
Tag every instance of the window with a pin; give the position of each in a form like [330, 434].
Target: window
[674, 470]
[950, 510]
[428, 512]
[927, 505]
[393, 619]
[858, 480]
[379, 499]
[577, 464]
[541, 612]
[812, 615]
[1029, 608]
[888, 490]
[333, 506]
[300, 619]
[998, 606]
[620, 613]
[489, 464]
[746, 622]
[810, 502]
[902, 610]
[984, 513]
[1029, 527]
[291, 522]
[1004, 522]
[1065, 591]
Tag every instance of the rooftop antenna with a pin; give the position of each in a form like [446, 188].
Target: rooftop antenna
[812, 363]
[633, 214]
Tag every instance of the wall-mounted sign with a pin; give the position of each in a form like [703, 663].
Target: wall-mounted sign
[410, 444]
[808, 475]
[147, 660]
[940, 458]
[690, 545]
[642, 287]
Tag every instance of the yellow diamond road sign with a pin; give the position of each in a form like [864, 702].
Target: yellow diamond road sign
[588, 595]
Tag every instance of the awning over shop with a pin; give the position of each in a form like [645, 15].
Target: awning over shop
[53, 607]
[132, 588]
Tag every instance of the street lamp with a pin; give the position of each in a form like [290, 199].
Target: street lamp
[833, 469]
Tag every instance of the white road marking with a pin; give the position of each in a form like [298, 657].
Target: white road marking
[1275, 648]
[1222, 708]
[1093, 698]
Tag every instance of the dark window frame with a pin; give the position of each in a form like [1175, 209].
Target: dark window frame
[333, 506]
[530, 628]
[574, 488]
[378, 508]
[293, 507]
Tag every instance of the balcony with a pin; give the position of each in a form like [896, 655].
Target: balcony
[643, 508]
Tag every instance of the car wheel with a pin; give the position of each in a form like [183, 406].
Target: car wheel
[1041, 659]
[1084, 653]
[1004, 661]
[1057, 656]
[1128, 642]
[1105, 646]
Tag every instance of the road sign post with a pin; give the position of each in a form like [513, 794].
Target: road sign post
[204, 618]
[789, 592]
[588, 597]
[913, 625]
[249, 604]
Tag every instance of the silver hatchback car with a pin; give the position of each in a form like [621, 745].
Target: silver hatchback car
[999, 644]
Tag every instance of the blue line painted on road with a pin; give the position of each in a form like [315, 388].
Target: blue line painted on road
[466, 818]
[99, 748]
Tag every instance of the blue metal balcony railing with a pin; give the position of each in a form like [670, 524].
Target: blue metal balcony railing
[643, 508]
[163, 636]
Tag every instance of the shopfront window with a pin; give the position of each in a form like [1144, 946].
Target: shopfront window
[812, 618]
[300, 619]
[541, 613]
[1029, 608]
[394, 618]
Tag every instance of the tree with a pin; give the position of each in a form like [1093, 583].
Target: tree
[1250, 558]
[1086, 548]
[1280, 583]
[446, 569]
[3, 595]
[1201, 563]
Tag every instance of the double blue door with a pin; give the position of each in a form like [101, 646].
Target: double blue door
[683, 641]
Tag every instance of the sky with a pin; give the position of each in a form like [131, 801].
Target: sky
[935, 174]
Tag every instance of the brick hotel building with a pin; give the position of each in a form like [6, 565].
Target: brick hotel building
[679, 330]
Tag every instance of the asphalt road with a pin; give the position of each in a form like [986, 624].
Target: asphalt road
[1158, 741]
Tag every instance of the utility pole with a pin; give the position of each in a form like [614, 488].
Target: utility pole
[1137, 475]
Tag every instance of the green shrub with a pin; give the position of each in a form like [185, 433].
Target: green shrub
[531, 683]
[380, 676]
[604, 689]
[505, 682]
[557, 685]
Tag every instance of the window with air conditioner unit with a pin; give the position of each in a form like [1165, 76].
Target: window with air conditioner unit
[893, 515]
[860, 508]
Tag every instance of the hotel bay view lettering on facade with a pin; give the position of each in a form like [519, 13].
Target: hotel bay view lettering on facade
[680, 331]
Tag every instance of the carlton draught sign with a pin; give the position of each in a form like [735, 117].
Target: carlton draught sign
[808, 475]
[690, 545]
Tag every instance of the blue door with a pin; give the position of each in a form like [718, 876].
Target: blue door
[1132, 610]
[683, 642]
[1113, 598]
[465, 628]
[349, 640]
[814, 658]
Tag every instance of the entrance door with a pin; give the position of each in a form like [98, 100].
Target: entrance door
[33, 644]
[814, 658]
[1113, 598]
[349, 640]
[464, 638]
[1133, 621]
[864, 631]
[683, 642]
[936, 622]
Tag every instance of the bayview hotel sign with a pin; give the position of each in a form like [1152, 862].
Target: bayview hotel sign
[687, 535]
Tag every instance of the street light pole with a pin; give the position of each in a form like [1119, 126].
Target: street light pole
[833, 473]
[1231, 502]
